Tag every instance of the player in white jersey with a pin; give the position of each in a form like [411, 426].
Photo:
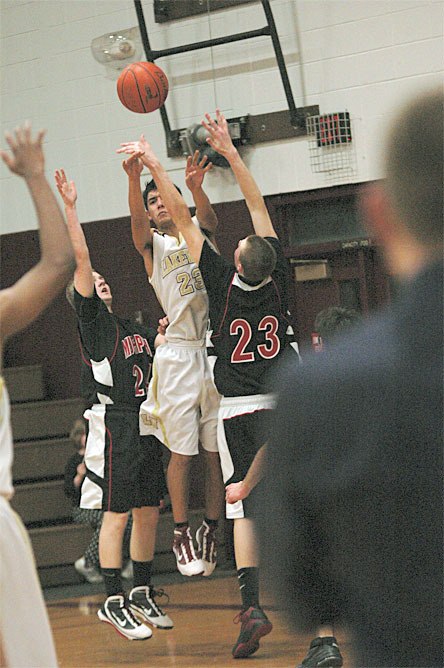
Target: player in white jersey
[182, 403]
[248, 302]
[25, 633]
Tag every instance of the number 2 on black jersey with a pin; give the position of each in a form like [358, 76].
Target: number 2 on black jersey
[140, 388]
[269, 324]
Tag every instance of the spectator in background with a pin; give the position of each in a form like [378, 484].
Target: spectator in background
[356, 448]
[333, 321]
[88, 565]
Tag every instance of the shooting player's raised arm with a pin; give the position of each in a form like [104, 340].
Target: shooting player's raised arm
[171, 197]
[141, 231]
[140, 226]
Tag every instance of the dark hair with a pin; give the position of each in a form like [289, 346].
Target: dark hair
[77, 431]
[414, 166]
[258, 258]
[149, 186]
[335, 319]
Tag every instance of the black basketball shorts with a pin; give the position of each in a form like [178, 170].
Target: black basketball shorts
[124, 470]
[241, 433]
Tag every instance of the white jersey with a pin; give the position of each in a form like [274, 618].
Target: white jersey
[25, 633]
[179, 287]
[6, 488]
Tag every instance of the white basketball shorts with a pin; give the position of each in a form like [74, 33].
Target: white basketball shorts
[182, 403]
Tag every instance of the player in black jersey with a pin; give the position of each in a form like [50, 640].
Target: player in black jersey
[248, 312]
[124, 470]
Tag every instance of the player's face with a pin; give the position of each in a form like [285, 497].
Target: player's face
[158, 212]
[102, 288]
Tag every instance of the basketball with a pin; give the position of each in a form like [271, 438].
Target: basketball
[142, 87]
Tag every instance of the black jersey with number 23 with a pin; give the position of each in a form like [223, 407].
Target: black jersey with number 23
[250, 323]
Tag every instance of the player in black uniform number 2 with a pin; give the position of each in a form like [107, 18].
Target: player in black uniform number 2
[124, 470]
[248, 313]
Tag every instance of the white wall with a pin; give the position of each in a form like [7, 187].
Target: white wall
[361, 55]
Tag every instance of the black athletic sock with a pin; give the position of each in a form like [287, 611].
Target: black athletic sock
[113, 581]
[249, 586]
[211, 523]
[142, 573]
[181, 525]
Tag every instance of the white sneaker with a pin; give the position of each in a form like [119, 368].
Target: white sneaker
[116, 611]
[183, 548]
[90, 573]
[143, 604]
[128, 571]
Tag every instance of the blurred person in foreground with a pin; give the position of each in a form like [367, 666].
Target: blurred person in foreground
[356, 441]
[25, 633]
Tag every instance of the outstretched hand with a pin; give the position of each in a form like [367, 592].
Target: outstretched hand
[27, 157]
[133, 166]
[67, 189]
[141, 147]
[195, 171]
[219, 138]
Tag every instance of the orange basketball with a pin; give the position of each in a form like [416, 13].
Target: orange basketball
[142, 87]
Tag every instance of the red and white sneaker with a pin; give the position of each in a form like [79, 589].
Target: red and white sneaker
[186, 558]
[207, 547]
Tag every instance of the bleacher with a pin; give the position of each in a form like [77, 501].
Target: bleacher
[42, 447]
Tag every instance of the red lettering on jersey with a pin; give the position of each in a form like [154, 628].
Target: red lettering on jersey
[239, 355]
[147, 346]
[139, 342]
[139, 390]
[135, 345]
[128, 346]
[272, 345]
[270, 325]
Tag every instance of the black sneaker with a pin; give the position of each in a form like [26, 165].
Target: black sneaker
[143, 604]
[116, 611]
[255, 624]
[323, 652]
